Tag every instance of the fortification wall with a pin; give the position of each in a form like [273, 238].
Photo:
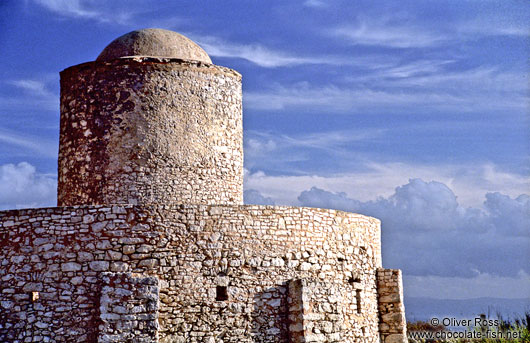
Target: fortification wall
[150, 130]
[393, 326]
[223, 273]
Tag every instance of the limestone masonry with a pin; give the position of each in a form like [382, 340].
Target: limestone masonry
[151, 241]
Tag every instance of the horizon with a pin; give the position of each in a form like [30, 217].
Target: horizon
[416, 114]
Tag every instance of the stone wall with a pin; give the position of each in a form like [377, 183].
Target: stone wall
[315, 312]
[393, 326]
[128, 308]
[150, 130]
[223, 270]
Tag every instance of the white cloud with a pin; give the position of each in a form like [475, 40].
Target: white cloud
[371, 180]
[74, 8]
[86, 9]
[36, 94]
[34, 87]
[332, 98]
[401, 89]
[425, 231]
[402, 31]
[22, 187]
[29, 144]
[258, 54]
[259, 143]
[383, 34]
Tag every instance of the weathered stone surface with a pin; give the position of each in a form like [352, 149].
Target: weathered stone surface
[128, 314]
[154, 43]
[176, 137]
[252, 259]
[393, 326]
[70, 267]
[396, 338]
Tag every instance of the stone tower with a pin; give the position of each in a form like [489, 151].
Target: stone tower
[150, 241]
[152, 120]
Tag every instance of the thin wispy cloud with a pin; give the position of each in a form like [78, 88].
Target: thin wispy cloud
[319, 140]
[387, 35]
[32, 94]
[282, 150]
[85, 10]
[73, 8]
[315, 3]
[483, 79]
[415, 68]
[431, 84]
[397, 32]
[28, 143]
[258, 54]
[34, 87]
[334, 99]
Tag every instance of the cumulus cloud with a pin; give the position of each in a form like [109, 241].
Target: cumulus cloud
[254, 197]
[367, 179]
[22, 187]
[426, 232]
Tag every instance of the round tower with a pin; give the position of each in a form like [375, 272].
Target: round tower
[152, 120]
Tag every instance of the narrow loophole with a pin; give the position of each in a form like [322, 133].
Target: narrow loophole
[358, 299]
[221, 293]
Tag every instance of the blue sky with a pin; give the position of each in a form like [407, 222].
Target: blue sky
[414, 112]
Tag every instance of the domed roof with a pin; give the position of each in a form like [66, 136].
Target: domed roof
[154, 43]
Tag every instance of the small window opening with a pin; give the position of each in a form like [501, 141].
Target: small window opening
[340, 259]
[221, 293]
[34, 296]
[354, 279]
[358, 299]
[363, 330]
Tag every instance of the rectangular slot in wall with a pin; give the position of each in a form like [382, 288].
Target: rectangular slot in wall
[358, 299]
[221, 293]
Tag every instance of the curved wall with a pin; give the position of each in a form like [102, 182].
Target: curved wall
[150, 130]
[194, 250]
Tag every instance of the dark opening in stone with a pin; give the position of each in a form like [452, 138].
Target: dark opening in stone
[354, 279]
[358, 299]
[221, 293]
